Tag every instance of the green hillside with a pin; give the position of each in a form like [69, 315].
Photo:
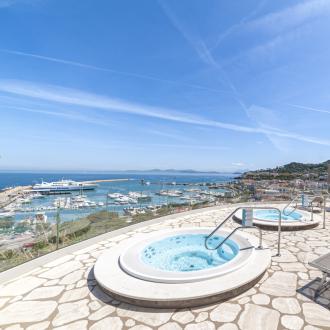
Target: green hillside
[290, 171]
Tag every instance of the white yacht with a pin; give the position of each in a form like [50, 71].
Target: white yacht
[139, 196]
[7, 214]
[62, 186]
[115, 195]
[170, 193]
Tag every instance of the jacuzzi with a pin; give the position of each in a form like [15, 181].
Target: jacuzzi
[180, 256]
[268, 219]
[273, 215]
[172, 268]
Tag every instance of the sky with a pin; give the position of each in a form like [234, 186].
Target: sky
[204, 84]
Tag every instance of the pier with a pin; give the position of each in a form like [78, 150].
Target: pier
[106, 180]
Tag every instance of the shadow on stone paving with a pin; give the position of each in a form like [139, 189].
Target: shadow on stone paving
[99, 294]
[95, 290]
[308, 290]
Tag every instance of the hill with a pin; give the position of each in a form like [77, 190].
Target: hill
[289, 171]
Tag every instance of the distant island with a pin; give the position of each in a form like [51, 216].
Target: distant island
[187, 171]
[293, 170]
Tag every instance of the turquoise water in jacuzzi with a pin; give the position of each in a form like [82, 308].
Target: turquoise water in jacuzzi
[273, 215]
[186, 253]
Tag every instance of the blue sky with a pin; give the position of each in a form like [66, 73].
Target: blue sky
[208, 85]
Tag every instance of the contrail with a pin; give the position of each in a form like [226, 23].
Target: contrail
[97, 68]
[301, 107]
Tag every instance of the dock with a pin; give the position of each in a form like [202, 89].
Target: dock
[106, 180]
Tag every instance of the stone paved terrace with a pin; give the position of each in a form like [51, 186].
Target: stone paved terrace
[63, 294]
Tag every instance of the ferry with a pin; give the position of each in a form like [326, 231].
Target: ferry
[62, 186]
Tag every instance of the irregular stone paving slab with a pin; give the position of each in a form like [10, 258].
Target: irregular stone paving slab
[14, 327]
[286, 305]
[207, 325]
[44, 292]
[17, 298]
[183, 317]
[293, 267]
[310, 327]
[202, 316]
[39, 326]
[74, 294]
[226, 312]
[62, 270]
[280, 284]
[79, 325]
[27, 311]
[113, 323]
[102, 312]
[316, 315]
[94, 305]
[258, 318]
[51, 282]
[21, 286]
[3, 301]
[292, 322]
[130, 323]
[170, 326]
[71, 312]
[80, 283]
[73, 277]
[286, 256]
[261, 299]
[140, 327]
[149, 316]
[228, 326]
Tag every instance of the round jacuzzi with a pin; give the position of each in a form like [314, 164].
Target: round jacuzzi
[273, 215]
[292, 220]
[173, 257]
[149, 269]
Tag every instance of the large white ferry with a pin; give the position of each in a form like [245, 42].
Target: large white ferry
[63, 186]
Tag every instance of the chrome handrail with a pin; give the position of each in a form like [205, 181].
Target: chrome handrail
[294, 209]
[237, 228]
[260, 232]
[312, 208]
[219, 226]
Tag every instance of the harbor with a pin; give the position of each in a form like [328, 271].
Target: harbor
[32, 210]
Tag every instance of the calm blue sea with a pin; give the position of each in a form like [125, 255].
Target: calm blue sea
[158, 182]
[10, 179]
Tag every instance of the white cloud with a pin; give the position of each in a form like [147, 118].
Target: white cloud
[238, 164]
[84, 99]
[291, 17]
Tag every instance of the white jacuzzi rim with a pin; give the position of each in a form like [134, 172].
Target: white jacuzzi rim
[303, 221]
[130, 260]
[126, 288]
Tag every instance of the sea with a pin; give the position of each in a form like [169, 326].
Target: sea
[158, 181]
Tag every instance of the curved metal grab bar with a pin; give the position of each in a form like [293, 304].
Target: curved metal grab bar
[312, 208]
[253, 207]
[219, 226]
[248, 227]
[295, 208]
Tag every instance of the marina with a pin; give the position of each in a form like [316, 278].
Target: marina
[73, 200]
